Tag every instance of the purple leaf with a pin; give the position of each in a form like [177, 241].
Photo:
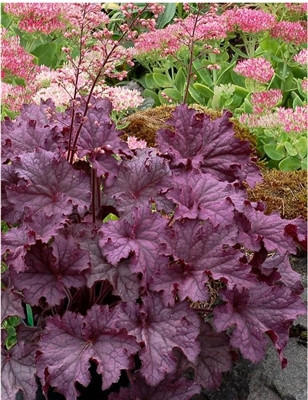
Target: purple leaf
[256, 311]
[202, 196]
[18, 370]
[16, 242]
[180, 389]
[141, 180]
[210, 146]
[53, 186]
[214, 358]
[198, 247]
[297, 229]
[44, 226]
[138, 234]
[161, 329]
[11, 304]
[255, 226]
[98, 132]
[25, 135]
[50, 270]
[125, 283]
[104, 164]
[8, 211]
[287, 276]
[68, 344]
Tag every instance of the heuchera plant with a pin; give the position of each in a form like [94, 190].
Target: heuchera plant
[148, 262]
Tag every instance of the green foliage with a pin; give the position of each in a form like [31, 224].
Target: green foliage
[287, 150]
[9, 325]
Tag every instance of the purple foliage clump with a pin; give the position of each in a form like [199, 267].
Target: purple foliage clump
[150, 261]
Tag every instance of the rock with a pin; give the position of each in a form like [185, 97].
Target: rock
[270, 382]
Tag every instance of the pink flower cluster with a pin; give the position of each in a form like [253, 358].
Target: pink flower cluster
[42, 17]
[163, 41]
[302, 57]
[305, 85]
[300, 8]
[15, 60]
[205, 27]
[263, 101]
[287, 119]
[293, 120]
[85, 17]
[14, 96]
[291, 32]
[59, 86]
[258, 69]
[122, 99]
[248, 20]
[134, 143]
[170, 39]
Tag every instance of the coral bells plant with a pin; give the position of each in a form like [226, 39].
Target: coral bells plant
[147, 262]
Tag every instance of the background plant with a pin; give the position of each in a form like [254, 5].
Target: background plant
[248, 50]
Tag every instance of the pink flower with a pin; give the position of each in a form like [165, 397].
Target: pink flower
[287, 119]
[300, 8]
[302, 57]
[15, 96]
[305, 85]
[42, 17]
[293, 120]
[170, 39]
[258, 69]
[16, 62]
[291, 32]
[134, 143]
[249, 20]
[122, 98]
[160, 40]
[85, 16]
[208, 26]
[262, 101]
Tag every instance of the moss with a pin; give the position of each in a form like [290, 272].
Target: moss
[285, 192]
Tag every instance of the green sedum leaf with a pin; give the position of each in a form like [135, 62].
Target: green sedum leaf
[161, 80]
[274, 152]
[203, 90]
[290, 164]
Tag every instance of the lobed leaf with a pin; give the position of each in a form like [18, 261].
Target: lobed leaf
[160, 329]
[50, 185]
[50, 270]
[137, 235]
[69, 343]
[139, 181]
[255, 311]
[18, 369]
[209, 146]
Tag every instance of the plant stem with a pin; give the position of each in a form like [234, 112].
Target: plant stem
[191, 50]
[116, 44]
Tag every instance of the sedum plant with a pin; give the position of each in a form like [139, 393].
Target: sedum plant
[145, 262]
